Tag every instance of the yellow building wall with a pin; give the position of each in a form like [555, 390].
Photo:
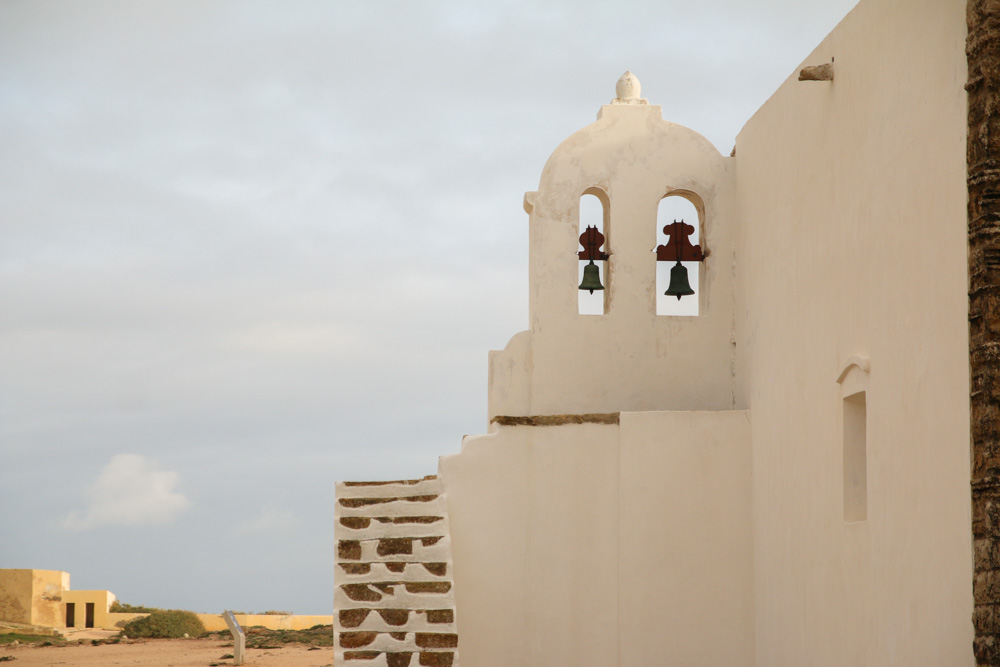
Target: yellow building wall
[15, 596]
[39, 597]
[215, 622]
[47, 589]
[32, 597]
[100, 599]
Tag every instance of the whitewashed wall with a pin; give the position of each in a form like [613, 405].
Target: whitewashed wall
[595, 545]
[630, 358]
[852, 242]
[667, 538]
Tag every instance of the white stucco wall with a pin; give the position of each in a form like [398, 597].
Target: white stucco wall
[535, 545]
[668, 538]
[597, 545]
[630, 358]
[685, 539]
[851, 200]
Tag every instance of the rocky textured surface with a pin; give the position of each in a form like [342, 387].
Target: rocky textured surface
[394, 605]
[557, 420]
[983, 49]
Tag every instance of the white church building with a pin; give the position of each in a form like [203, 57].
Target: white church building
[775, 475]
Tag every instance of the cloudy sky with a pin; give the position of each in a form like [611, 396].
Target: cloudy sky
[250, 248]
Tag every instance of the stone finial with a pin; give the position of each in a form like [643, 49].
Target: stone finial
[628, 90]
[628, 87]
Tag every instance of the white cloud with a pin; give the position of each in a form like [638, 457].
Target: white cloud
[130, 491]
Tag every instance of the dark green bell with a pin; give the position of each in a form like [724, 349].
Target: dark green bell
[679, 285]
[591, 278]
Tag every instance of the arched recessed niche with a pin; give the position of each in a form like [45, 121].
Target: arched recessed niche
[853, 381]
[679, 205]
[594, 212]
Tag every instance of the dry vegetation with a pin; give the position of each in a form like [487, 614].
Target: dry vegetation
[260, 637]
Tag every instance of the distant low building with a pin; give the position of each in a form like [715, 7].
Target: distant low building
[37, 599]
[43, 598]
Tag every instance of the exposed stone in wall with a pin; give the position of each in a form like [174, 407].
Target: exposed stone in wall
[983, 49]
[394, 605]
[557, 420]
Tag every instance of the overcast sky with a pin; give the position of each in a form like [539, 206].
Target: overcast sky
[250, 248]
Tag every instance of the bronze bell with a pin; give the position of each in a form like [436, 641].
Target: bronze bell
[592, 278]
[679, 285]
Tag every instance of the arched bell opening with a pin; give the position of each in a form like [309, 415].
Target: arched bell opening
[593, 279]
[678, 273]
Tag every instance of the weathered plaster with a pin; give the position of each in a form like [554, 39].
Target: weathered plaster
[33, 597]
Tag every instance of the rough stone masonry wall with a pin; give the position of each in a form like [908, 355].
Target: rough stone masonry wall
[393, 605]
[983, 50]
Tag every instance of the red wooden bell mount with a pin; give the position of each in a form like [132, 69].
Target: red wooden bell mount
[678, 248]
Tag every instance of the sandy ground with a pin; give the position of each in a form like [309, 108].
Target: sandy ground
[163, 653]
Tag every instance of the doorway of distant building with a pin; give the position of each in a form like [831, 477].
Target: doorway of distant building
[70, 614]
[90, 615]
